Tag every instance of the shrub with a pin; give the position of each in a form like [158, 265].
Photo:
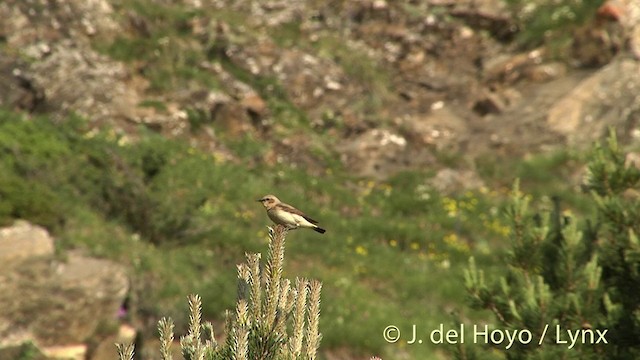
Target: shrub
[543, 21]
[568, 274]
[272, 320]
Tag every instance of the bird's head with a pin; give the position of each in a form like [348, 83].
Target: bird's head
[269, 201]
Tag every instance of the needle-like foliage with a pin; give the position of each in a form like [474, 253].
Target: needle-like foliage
[272, 319]
[571, 277]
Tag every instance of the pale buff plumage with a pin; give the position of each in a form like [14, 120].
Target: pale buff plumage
[287, 215]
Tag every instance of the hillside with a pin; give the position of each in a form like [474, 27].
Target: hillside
[141, 132]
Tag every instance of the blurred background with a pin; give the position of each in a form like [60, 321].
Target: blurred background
[136, 135]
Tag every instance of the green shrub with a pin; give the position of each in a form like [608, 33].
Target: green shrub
[545, 21]
[274, 319]
[570, 273]
[32, 158]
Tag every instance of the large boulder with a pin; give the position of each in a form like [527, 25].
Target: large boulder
[55, 304]
[609, 97]
[24, 241]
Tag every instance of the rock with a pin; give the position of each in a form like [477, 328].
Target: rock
[254, 105]
[615, 27]
[627, 14]
[230, 115]
[66, 352]
[596, 45]
[78, 80]
[374, 152]
[489, 15]
[439, 129]
[54, 303]
[381, 153]
[26, 22]
[17, 91]
[545, 72]
[448, 181]
[489, 103]
[606, 98]
[24, 241]
[91, 292]
[367, 10]
[63, 74]
[508, 69]
[632, 159]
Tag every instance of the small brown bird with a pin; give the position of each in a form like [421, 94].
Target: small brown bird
[287, 215]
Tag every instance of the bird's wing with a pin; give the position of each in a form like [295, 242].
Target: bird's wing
[291, 209]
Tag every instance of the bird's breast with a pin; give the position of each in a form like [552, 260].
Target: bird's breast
[280, 216]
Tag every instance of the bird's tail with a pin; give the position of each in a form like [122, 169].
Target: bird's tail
[319, 229]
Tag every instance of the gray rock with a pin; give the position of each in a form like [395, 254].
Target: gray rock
[380, 153]
[28, 22]
[449, 181]
[627, 13]
[50, 302]
[609, 97]
[24, 241]
[76, 79]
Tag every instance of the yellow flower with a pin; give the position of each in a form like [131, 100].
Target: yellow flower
[123, 140]
[393, 242]
[450, 206]
[455, 242]
[218, 158]
[451, 238]
[361, 250]
[415, 246]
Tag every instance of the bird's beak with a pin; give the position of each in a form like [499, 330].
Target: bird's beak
[260, 200]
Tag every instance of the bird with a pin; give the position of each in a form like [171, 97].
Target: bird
[287, 215]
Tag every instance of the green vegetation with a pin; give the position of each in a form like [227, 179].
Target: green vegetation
[274, 318]
[542, 175]
[161, 44]
[396, 251]
[181, 218]
[569, 272]
[550, 22]
[27, 351]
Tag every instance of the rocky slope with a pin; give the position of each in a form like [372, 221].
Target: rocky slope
[394, 84]
[382, 86]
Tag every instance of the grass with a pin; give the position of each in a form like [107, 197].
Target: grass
[181, 220]
[551, 22]
[548, 174]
